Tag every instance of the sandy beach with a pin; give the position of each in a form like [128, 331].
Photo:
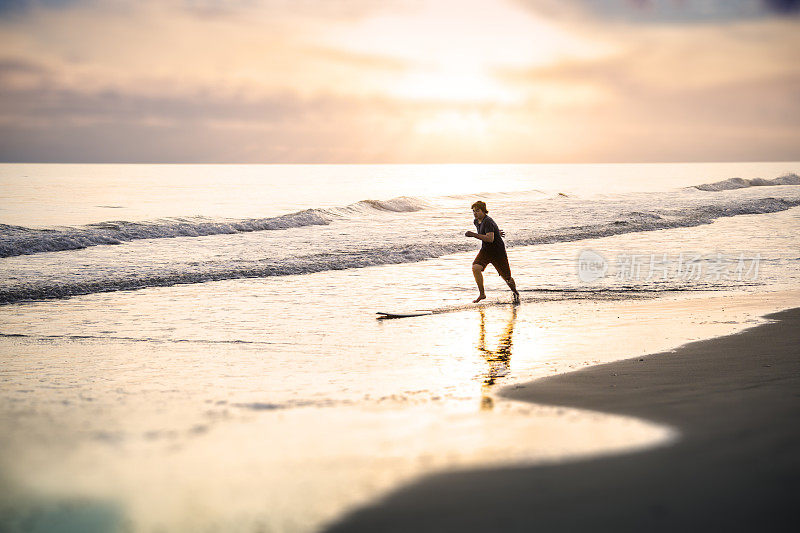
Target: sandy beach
[734, 400]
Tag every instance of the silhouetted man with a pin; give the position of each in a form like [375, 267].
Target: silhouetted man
[493, 251]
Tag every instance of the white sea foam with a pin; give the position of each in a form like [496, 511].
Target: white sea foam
[18, 240]
[741, 183]
[352, 247]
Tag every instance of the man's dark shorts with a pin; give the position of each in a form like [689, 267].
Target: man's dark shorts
[500, 263]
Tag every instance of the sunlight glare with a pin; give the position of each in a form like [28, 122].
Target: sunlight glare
[471, 124]
[453, 50]
[456, 83]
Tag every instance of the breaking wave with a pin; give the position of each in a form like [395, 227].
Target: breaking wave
[383, 254]
[636, 221]
[18, 240]
[401, 204]
[741, 183]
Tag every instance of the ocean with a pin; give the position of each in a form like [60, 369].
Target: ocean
[195, 347]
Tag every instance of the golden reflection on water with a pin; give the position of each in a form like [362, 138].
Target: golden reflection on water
[499, 359]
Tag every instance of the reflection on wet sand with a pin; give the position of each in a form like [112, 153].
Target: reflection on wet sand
[499, 359]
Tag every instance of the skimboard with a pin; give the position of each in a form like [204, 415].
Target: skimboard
[382, 315]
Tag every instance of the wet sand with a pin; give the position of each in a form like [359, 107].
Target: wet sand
[735, 467]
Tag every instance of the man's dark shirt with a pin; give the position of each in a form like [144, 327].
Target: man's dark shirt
[496, 248]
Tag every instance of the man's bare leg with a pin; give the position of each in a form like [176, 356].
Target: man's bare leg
[477, 271]
[513, 286]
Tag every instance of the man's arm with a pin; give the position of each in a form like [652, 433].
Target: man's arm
[489, 237]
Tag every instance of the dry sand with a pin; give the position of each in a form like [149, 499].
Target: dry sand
[735, 467]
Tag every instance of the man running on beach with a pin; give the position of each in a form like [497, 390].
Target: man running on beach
[493, 251]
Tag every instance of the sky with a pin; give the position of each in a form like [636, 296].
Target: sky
[399, 81]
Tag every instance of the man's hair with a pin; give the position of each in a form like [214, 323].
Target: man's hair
[480, 205]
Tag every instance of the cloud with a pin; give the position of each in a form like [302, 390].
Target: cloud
[697, 92]
[10, 7]
[783, 6]
[665, 11]
[753, 121]
[215, 8]
[42, 123]
[275, 81]
[675, 59]
[157, 48]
